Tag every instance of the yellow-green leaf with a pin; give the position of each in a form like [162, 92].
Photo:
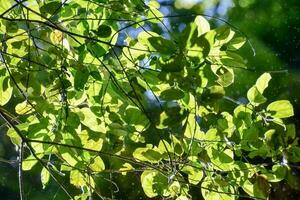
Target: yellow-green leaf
[5, 90]
[45, 177]
[77, 178]
[281, 109]
[97, 165]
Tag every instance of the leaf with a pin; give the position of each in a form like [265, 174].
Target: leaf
[95, 145]
[97, 165]
[56, 36]
[294, 154]
[225, 75]
[69, 158]
[96, 50]
[77, 178]
[261, 187]
[212, 191]
[198, 48]
[255, 93]
[14, 137]
[195, 174]
[5, 90]
[81, 77]
[255, 97]
[162, 45]
[51, 7]
[202, 25]
[233, 60]
[236, 43]
[30, 161]
[280, 109]
[221, 160]
[248, 187]
[89, 119]
[135, 116]
[213, 93]
[154, 4]
[103, 31]
[172, 64]
[24, 108]
[156, 14]
[172, 94]
[45, 177]
[5, 5]
[174, 189]
[223, 35]
[263, 82]
[279, 173]
[126, 167]
[12, 27]
[147, 179]
[182, 198]
[177, 146]
[146, 154]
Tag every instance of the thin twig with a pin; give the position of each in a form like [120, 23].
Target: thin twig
[21, 182]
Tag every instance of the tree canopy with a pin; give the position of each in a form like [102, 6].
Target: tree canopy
[105, 97]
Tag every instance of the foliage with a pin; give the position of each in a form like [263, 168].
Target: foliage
[93, 100]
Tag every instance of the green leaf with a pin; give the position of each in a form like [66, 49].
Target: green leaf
[77, 178]
[24, 108]
[233, 60]
[96, 50]
[236, 43]
[279, 172]
[6, 5]
[225, 75]
[45, 177]
[156, 14]
[261, 187]
[198, 48]
[172, 64]
[174, 189]
[255, 93]
[294, 154]
[223, 35]
[147, 180]
[172, 94]
[280, 109]
[263, 82]
[104, 31]
[12, 27]
[5, 90]
[135, 116]
[162, 45]
[29, 162]
[69, 158]
[213, 93]
[210, 190]
[293, 181]
[146, 154]
[97, 165]
[195, 174]
[14, 137]
[255, 97]
[221, 160]
[89, 119]
[202, 25]
[51, 7]
[81, 77]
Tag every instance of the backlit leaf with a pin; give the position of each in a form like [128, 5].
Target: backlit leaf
[281, 109]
